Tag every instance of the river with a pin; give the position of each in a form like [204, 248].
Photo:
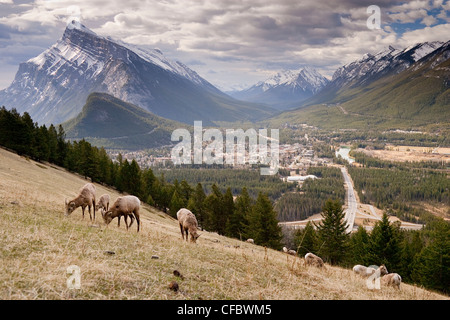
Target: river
[344, 153]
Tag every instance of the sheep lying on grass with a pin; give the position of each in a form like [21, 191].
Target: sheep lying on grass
[124, 206]
[85, 198]
[188, 223]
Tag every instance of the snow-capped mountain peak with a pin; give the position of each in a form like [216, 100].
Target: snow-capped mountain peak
[372, 66]
[305, 78]
[285, 87]
[54, 86]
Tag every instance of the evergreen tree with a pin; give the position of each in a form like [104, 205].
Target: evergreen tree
[176, 203]
[384, 245]
[185, 192]
[411, 246]
[228, 210]
[263, 223]
[432, 265]
[359, 247]
[52, 144]
[42, 144]
[215, 208]
[134, 184]
[332, 232]
[148, 187]
[62, 146]
[238, 222]
[197, 205]
[306, 240]
[104, 167]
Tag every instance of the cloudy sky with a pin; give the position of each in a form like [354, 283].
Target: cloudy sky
[232, 44]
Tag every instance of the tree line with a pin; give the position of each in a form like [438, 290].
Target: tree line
[420, 257]
[225, 178]
[310, 198]
[243, 218]
[397, 186]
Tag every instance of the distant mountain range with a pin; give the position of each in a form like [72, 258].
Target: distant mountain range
[112, 123]
[370, 68]
[391, 89]
[285, 89]
[54, 86]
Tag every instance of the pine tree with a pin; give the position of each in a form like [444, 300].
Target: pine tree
[197, 205]
[432, 265]
[134, 184]
[411, 246]
[359, 247]
[263, 223]
[176, 203]
[215, 208]
[53, 144]
[185, 192]
[384, 245]
[332, 232]
[238, 222]
[306, 240]
[228, 210]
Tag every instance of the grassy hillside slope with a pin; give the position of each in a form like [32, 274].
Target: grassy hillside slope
[37, 244]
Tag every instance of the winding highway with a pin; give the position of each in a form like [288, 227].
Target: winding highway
[350, 212]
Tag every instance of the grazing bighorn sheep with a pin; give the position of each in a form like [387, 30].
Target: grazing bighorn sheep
[313, 260]
[251, 241]
[103, 202]
[85, 198]
[291, 252]
[368, 271]
[188, 223]
[392, 279]
[124, 206]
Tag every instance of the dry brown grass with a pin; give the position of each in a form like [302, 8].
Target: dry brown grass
[410, 153]
[37, 244]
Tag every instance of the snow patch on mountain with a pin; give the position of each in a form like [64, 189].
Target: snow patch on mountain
[306, 78]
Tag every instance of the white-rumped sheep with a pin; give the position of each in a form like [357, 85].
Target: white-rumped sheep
[251, 241]
[368, 271]
[124, 206]
[313, 260]
[188, 224]
[85, 198]
[392, 279]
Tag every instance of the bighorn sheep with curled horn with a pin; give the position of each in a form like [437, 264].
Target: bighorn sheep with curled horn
[85, 198]
[188, 223]
[124, 206]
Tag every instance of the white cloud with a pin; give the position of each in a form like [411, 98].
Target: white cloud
[437, 33]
